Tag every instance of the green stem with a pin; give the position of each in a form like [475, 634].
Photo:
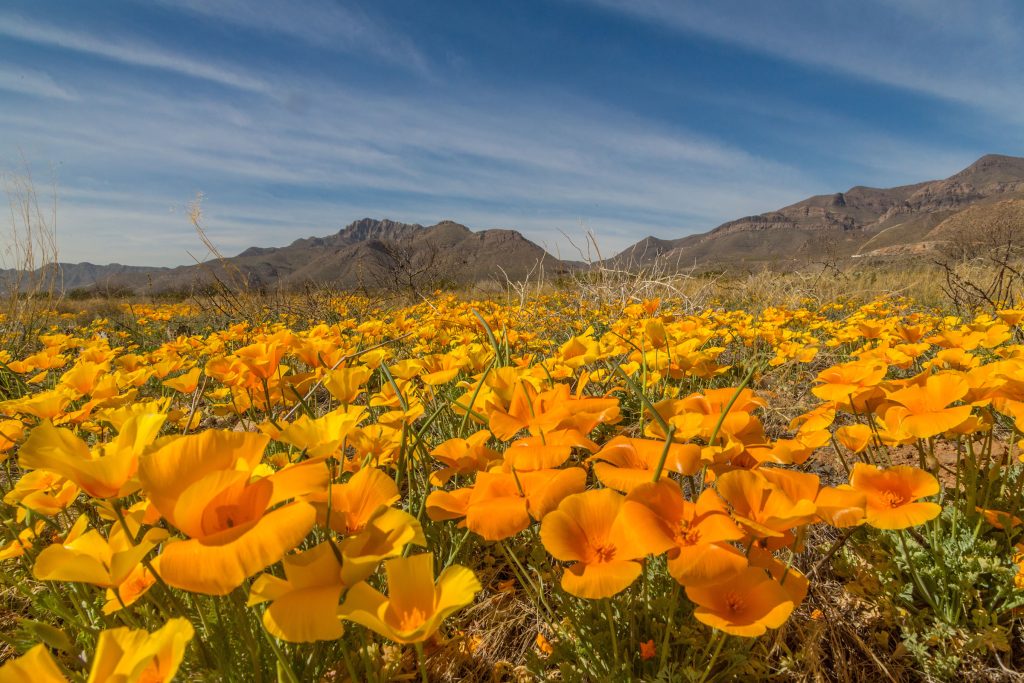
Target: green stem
[668, 628]
[664, 453]
[283, 666]
[611, 630]
[714, 658]
[422, 660]
[729, 405]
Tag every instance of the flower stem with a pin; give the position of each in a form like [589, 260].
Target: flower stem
[721, 636]
[611, 630]
[422, 660]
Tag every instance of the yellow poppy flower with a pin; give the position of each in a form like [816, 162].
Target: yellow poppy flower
[892, 495]
[415, 605]
[102, 472]
[304, 605]
[201, 484]
[36, 665]
[128, 655]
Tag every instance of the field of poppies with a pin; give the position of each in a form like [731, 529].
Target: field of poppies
[544, 489]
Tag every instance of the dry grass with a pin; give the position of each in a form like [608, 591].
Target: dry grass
[32, 283]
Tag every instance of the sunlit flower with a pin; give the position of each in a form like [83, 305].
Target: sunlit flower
[201, 484]
[131, 655]
[746, 605]
[415, 605]
[696, 535]
[588, 530]
[102, 472]
[36, 665]
[892, 495]
[625, 463]
[304, 604]
[924, 410]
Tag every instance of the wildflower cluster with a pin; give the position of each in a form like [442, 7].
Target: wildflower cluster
[288, 497]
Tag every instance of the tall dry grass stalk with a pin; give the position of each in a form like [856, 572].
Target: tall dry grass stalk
[228, 290]
[618, 282]
[31, 280]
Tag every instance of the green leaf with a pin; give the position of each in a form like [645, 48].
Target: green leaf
[50, 635]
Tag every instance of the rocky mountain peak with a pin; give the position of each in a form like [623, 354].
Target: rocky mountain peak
[992, 168]
[376, 229]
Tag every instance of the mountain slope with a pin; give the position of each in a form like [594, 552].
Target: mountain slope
[371, 253]
[861, 221]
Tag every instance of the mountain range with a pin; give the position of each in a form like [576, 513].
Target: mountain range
[376, 254]
[860, 222]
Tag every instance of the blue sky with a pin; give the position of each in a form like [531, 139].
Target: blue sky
[556, 117]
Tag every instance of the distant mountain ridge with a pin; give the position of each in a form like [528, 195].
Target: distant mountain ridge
[863, 221]
[381, 253]
[368, 253]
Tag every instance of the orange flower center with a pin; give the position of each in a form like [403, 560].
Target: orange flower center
[604, 553]
[411, 620]
[137, 585]
[893, 499]
[153, 673]
[734, 603]
[685, 535]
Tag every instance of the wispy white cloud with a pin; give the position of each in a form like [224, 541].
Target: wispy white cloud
[322, 23]
[19, 79]
[132, 153]
[481, 160]
[958, 51]
[126, 51]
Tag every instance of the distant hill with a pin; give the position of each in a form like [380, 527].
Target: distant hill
[862, 221]
[366, 253]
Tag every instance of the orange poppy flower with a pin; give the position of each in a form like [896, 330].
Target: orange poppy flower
[304, 604]
[696, 535]
[697, 415]
[130, 654]
[588, 530]
[501, 504]
[416, 605]
[625, 463]
[11, 432]
[556, 408]
[318, 437]
[202, 485]
[924, 411]
[345, 384]
[36, 665]
[102, 472]
[462, 456]
[999, 520]
[793, 451]
[262, 359]
[385, 536]
[86, 556]
[121, 654]
[841, 506]
[851, 385]
[856, 437]
[791, 579]
[186, 383]
[892, 495]
[746, 605]
[41, 491]
[356, 502]
[764, 508]
[522, 457]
